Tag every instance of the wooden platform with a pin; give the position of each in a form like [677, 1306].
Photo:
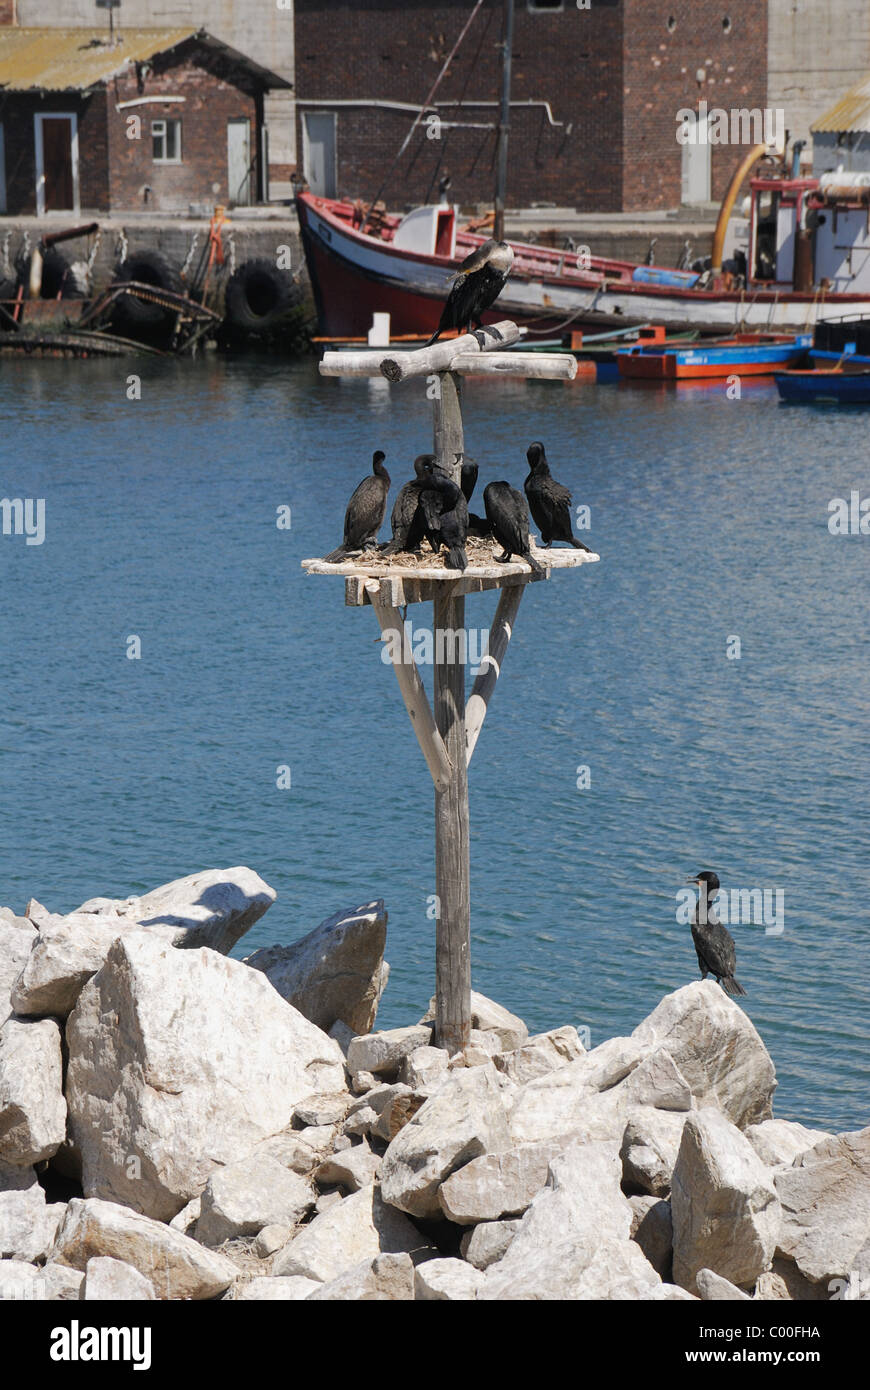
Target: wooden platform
[400, 583]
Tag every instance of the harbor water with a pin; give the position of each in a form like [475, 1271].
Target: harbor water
[698, 699]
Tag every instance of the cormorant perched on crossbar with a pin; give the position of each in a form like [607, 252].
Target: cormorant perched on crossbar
[365, 511]
[508, 517]
[549, 501]
[476, 286]
[714, 944]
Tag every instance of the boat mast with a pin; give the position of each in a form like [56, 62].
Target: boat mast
[504, 119]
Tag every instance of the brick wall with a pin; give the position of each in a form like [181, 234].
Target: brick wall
[614, 74]
[393, 50]
[17, 112]
[660, 78]
[209, 103]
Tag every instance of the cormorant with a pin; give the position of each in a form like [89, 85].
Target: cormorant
[549, 501]
[445, 513]
[476, 286]
[407, 520]
[508, 517]
[365, 511]
[469, 476]
[714, 944]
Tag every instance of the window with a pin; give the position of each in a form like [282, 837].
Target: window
[726, 25]
[166, 142]
[545, 4]
[671, 24]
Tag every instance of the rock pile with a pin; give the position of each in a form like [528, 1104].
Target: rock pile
[175, 1124]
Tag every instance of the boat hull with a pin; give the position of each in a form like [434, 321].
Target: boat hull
[710, 363]
[824, 387]
[354, 275]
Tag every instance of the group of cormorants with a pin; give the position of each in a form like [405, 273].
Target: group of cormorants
[433, 507]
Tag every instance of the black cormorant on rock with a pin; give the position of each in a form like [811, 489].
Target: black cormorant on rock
[365, 512]
[407, 519]
[508, 518]
[445, 514]
[549, 501]
[476, 286]
[714, 944]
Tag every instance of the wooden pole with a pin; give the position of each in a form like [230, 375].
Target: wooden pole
[452, 870]
[504, 120]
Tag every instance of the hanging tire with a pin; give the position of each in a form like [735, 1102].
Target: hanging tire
[259, 296]
[149, 268]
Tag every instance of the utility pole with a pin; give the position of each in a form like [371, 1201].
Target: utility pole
[504, 119]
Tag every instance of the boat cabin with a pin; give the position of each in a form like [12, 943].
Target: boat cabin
[811, 232]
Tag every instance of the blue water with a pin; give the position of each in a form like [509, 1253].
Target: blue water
[710, 516]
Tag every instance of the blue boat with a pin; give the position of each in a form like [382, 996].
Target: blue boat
[846, 383]
[743, 354]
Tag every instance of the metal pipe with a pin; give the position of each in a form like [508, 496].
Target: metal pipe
[757, 152]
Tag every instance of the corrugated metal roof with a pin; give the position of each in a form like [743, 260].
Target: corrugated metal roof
[852, 112]
[64, 60]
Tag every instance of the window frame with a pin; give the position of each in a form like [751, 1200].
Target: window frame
[166, 122]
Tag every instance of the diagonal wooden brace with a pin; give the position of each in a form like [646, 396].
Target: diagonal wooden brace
[413, 692]
[499, 637]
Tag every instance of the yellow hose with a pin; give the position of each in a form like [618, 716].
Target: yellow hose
[757, 152]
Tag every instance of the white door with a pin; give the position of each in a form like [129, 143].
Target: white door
[2, 170]
[240, 174]
[696, 164]
[318, 152]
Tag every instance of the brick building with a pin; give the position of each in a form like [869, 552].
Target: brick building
[594, 98]
[263, 29]
[162, 119]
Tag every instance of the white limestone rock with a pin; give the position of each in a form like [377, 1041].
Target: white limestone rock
[653, 1230]
[825, 1200]
[612, 1061]
[714, 1289]
[352, 1170]
[60, 1284]
[466, 1117]
[211, 909]
[573, 1242]
[353, 1230]
[725, 1209]
[28, 1224]
[242, 1198]
[484, 1245]
[337, 972]
[424, 1067]
[183, 1061]
[108, 1280]
[384, 1279]
[271, 1238]
[446, 1281]
[715, 1048]
[16, 943]
[32, 1107]
[321, 1110]
[382, 1054]
[543, 1053]
[19, 1280]
[262, 1289]
[499, 1184]
[782, 1141]
[649, 1148]
[177, 1266]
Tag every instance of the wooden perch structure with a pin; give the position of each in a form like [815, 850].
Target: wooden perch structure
[448, 731]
